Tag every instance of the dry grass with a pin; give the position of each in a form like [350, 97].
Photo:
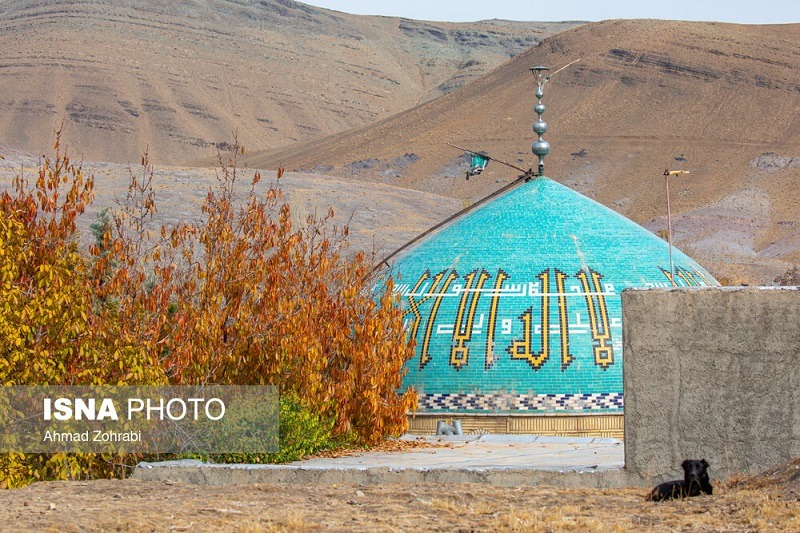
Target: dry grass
[763, 503]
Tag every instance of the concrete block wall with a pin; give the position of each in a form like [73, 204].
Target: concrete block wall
[711, 373]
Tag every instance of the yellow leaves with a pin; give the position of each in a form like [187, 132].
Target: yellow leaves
[50, 329]
[17, 470]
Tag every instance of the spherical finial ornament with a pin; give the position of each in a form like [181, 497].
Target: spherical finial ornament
[540, 148]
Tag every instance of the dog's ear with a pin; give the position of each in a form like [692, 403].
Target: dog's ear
[684, 464]
[705, 463]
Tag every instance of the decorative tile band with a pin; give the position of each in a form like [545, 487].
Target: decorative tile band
[539, 403]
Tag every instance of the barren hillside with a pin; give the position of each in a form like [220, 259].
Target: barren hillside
[718, 100]
[381, 218]
[183, 76]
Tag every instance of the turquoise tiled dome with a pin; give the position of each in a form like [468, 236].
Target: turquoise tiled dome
[515, 306]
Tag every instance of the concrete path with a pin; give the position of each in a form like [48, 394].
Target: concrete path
[494, 459]
[492, 451]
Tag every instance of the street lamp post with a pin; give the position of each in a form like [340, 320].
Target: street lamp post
[667, 174]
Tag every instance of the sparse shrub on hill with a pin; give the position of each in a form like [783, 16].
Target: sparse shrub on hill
[789, 278]
[731, 280]
[244, 297]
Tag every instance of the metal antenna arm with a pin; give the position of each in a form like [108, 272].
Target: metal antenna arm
[562, 68]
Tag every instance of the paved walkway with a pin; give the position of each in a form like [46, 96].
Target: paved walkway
[492, 451]
[495, 459]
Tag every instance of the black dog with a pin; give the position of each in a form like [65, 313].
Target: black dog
[695, 480]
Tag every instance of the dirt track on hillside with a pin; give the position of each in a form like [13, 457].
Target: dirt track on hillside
[768, 502]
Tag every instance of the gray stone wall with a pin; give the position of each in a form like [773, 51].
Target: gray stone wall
[711, 373]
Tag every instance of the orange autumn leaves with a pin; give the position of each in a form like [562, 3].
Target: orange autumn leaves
[245, 296]
[50, 329]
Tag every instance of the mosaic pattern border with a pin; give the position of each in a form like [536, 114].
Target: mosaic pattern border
[531, 403]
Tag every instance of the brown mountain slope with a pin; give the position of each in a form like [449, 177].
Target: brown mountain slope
[381, 218]
[646, 95]
[182, 76]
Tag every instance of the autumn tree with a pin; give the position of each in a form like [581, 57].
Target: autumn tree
[248, 295]
[50, 331]
[264, 300]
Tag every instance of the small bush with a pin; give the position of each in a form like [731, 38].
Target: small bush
[790, 278]
[304, 431]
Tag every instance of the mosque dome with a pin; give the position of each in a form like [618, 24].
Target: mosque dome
[515, 305]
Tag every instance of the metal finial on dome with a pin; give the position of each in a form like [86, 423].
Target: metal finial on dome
[541, 147]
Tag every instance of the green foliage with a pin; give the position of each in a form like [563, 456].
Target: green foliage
[304, 431]
[100, 228]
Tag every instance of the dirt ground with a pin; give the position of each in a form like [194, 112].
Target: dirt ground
[767, 502]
